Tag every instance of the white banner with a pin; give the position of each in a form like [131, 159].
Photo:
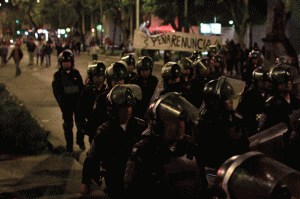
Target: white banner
[177, 41]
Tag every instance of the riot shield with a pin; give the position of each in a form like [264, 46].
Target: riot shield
[237, 85]
[255, 175]
[156, 93]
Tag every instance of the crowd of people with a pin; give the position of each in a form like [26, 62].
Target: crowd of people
[137, 130]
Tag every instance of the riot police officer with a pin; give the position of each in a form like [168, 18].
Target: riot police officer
[186, 68]
[147, 82]
[279, 107]
[172, 80]
[115, 74]
[95, 86]
[221, 132]
[201, 77]
[114, 141]
[197, 54]
[163, 150]
[218, 65]
[253, 100]
[67, 85]
[250, 65]
[130, 61]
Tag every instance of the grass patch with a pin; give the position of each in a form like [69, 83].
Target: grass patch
[20, 132]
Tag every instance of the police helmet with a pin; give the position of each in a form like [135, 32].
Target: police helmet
[170, 106]
[185, 64]
[115, 72]
[96, 70]
[66, 56]
[261, 73]
[129, 59]
[213, 48]
[201, 68]
[124, 95]
[217, 58]
[144, 63]
[218, 91]
[282, 74]
[170, 71]
[254, 54]
[197, 54]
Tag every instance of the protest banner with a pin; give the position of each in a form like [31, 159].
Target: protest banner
[177, 41]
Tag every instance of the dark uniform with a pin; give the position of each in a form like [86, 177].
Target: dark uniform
[146, 82]
[221, 134]
[67, 86]
[279, 107]
[160, 166]
[113, 143]
[250, 65]
[253, 100]
[89, 94]
[130, 61]
[172, 80]
[115, 74]
[201, 77]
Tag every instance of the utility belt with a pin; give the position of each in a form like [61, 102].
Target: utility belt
[71, 90]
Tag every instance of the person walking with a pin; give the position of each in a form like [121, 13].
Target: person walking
[17, 55]
[31, 48]
[67, 85]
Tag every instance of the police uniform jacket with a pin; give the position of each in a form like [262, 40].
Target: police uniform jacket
[67, 88]
[278, 110]
[148, 87]
[154, 171]
[251, 108]
[221, 137]
[87, 100]
[112, 146]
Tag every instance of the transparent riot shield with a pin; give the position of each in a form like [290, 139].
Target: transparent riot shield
[237, 85]
[256, 175]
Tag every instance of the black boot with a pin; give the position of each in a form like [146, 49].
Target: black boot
[68, 136]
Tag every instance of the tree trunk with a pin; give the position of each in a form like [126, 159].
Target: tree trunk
[83, 31]
[113, 44]
[276, 42]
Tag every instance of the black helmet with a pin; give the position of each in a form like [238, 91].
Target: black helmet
[217, 58]
[185, 63]
[254, 54]
[96, 70]
[261, 73]
[129, 59]
[197, 54]
[66, 56]
[213, 48]
[201, 68]
[217, 91]
[124, 95]
[170, 71]
[144, 63]
[171, 106]
[115, 72]
[282, 74]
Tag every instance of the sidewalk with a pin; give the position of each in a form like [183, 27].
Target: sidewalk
[47, 175]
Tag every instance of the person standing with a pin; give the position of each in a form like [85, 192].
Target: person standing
[31, 48]
[17, 55]
[67, 85]
[39, 53]
[3, 53]
[48, 51]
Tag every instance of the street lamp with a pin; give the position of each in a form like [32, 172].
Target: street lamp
[230, 22]
[6, 1]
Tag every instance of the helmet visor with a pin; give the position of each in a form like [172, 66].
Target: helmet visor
[125, 95]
